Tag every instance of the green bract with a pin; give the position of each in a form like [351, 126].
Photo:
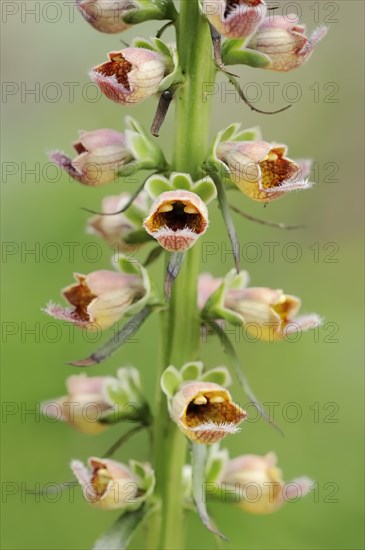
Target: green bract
[231, 133]
[235, 53]
[172, 378]
[146, 153]
[214, 307]
[125, 394]
[131, 266]
[146, 10]
[204, 188]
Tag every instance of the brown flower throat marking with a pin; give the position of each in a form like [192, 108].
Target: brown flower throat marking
[212, 407]
[119, 67]
[80, 297]
[276, 169]
[177, 216]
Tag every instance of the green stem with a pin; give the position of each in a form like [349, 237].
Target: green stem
[180, 323]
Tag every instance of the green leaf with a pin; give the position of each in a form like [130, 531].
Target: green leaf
[129, 266]
[231, 130]
[232, 44]
[236, 365]
[162, 47]
[191, 371]
[252, 58]
[222, 199]
[142, 43]
[138, 237]
[155, 185]
[120, 533]
[218, 375]
[145, 477]
[170, 381]
[206, 190]
[138, 469]
[250, 134]
[181, 181]
[153, 255]
[139, 146]
[215, 468]
[122, 336]
[198, 462]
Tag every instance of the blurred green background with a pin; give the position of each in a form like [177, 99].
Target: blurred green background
[323, 368]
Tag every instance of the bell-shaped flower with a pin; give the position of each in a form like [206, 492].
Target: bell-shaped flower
[234, 18]
[101, 154]
[110, 485]
[261, 170]
[92, 404]
[204, 411]
[99, 299]
[106, 483]
[131, 75]
[84, 404]
[119, 229]
[260, 483]
[177, 219]
[268, 314]
[284, 41]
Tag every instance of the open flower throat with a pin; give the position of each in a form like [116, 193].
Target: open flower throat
[118, 66]
[100, 478]
[80, 296]
[176, 216]
[212, 408]
[231, 5]
[275, 168]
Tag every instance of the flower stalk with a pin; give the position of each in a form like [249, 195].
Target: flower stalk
[181, 321]
[192, 404]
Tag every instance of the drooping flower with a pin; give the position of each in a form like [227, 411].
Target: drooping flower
[84, 404]
[115, 229]
[205, 412]
[261, 484]
[99, 299]
[101, 154]
[106, 15]
[92, 404]
[283, 39]
[235, 18]
[261, 170]
[177, 219]
[106, 483]
[131, 75]
[268, 314]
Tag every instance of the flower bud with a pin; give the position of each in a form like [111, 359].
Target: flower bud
[262, 487]
[284, 41]
[101, 154]
[235, 18]
[116, 229]
[99, 299]
[177, 219]
[261, 170]
[130, 76]
[84, 404]
[205, 412]
[106, 15]
[106, 484]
